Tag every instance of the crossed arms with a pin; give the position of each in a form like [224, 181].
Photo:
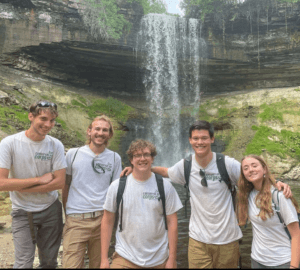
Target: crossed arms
[45, 183]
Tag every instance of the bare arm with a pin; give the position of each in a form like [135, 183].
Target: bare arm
[286, 189]
[14, 184]
[58, 182]
[163, 171]
[65, 191]
[173, 238]
[295, 250]
[107, 225]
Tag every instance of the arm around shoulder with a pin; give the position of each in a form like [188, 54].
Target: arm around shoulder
[163, 171]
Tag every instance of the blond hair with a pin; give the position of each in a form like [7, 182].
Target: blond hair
[102, 117]
[35, 109]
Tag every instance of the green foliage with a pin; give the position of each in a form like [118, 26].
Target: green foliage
[62, 122]
[270, 113]
[152, 6]
[274, 142]
[103, 20]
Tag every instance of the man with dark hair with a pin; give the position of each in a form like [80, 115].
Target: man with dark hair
[36, 164]
[142, 240]
[90, 170]
[213, 228]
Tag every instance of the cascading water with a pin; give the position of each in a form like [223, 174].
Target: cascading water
[173, 51]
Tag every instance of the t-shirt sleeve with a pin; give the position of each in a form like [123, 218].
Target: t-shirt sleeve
[287, 209]
[111, 197]
[233, 168]
[59, 160]
[5, 156]
[176, 173]
[173, 202]
[117, 167]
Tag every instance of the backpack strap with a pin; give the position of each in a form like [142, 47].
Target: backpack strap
[72, 165]
[161, 190]
[121, 188]
[187, 166]
[277, 210]
[224, 175]
[112, 174]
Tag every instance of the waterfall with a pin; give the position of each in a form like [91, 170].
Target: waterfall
[173, 51]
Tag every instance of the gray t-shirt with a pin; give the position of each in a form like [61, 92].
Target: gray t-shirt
[213, 220]
[27, 159]
[144, 239]
[88, 189]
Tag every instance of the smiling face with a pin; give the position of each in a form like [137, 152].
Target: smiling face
[253, 171]
[42, 123]
[142, 160]
[201, 142]
[99, 133]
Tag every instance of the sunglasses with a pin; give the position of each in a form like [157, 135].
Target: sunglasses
[203, 180]
[45, 104]
[96, 167]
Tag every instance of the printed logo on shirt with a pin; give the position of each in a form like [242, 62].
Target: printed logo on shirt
[43, 156]
[151, 195]
[102, 168]
[213, 177]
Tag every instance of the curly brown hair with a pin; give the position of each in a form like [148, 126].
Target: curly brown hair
[263, 199]
[140, 144]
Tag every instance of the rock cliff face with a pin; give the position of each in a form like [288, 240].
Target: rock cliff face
[48, 38]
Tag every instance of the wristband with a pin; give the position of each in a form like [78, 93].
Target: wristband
[293, 267]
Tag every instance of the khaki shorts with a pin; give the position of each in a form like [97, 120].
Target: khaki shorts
[120, 262]
[203, 255]
[79, 233]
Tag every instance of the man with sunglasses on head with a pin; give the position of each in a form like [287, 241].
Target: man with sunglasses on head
[91, 169]
[36, 164]
[148, 230]
[213, 230]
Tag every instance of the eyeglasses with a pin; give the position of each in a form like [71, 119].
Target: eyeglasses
[45, 104]
[145, 155]
[203, 180]
[97, 166]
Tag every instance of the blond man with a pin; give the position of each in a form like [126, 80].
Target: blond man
[36, 162]
[90, 171]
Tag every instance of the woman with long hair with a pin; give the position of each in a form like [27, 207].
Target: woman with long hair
[271, 246]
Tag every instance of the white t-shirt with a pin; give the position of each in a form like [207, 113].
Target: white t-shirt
[271, 245]
[88, 189]
[27, 159]
[144, 239]
[213, 220]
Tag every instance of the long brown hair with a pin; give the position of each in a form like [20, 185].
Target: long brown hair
[263, 199]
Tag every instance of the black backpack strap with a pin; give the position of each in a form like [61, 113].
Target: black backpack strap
[277, 210]
[161, 190]
[224, 175]
[187, 170]
[187, 166]
[121, 188]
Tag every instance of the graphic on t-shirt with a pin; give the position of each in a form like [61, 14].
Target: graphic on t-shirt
[151, 195]
[102, 168]
[43, 156]
[213, 177]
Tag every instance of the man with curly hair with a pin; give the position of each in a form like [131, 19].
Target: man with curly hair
[144, 240]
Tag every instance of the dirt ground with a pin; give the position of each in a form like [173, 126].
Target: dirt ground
[7, 258]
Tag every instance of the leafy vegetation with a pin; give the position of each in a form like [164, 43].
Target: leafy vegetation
[274, 142]
[104, 22]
